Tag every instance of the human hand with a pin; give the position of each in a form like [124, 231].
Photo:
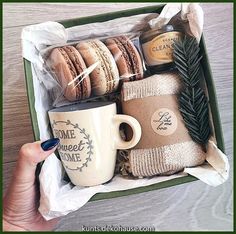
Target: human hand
[21, 201]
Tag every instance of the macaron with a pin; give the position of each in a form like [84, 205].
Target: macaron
[105, 75]
[80, 66]
[67, 64]
[127, 58]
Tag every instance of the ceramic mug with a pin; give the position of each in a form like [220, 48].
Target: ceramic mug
[89, 138]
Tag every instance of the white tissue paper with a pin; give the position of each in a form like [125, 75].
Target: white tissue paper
[190, 12]
[59, 198]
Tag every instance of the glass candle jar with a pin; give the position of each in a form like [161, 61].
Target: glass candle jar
[157, 46]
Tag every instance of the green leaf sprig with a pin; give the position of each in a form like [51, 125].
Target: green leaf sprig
[192, 99]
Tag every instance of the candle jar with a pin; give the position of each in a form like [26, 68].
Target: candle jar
[157, 47]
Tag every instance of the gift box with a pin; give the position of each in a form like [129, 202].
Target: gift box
[208, 79]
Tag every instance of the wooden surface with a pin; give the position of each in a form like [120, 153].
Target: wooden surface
[193, 206]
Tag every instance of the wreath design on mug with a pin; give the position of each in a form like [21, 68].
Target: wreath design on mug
[86, 136]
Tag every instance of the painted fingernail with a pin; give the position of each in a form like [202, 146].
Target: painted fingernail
[49, 144]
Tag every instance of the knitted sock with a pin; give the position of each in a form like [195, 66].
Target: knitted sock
[164, 149]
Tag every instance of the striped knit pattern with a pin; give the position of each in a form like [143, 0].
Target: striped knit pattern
[153, 86]
[166, 159]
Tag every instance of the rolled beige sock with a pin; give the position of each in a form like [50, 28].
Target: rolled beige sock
[158, 152]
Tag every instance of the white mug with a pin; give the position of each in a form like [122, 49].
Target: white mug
[89, 138]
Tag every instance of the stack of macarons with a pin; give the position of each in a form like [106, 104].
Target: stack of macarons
[94, 67]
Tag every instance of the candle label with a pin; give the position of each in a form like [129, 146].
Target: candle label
[160, 49]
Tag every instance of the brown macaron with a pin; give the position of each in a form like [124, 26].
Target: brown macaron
[67, 64]
[105, 75]
[79, 64]
[127, 58]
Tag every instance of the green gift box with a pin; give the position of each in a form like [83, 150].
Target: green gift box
[209, 83]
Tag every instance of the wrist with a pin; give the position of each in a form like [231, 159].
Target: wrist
[6, 226]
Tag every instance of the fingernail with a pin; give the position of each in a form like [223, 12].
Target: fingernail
[49, 144]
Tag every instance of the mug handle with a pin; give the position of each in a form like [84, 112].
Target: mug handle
[136, 128]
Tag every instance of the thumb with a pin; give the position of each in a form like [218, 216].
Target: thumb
[29, 156]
